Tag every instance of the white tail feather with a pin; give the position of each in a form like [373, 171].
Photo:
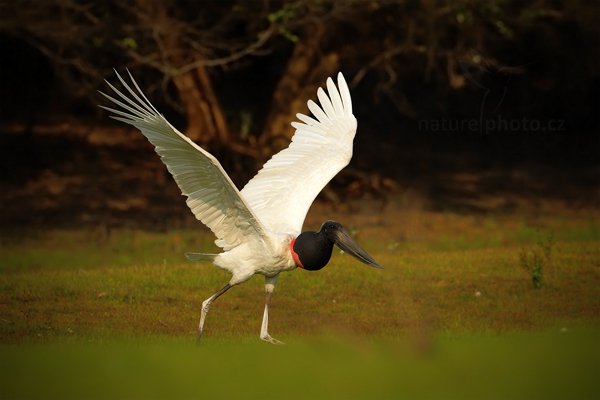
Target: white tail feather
[200, 256]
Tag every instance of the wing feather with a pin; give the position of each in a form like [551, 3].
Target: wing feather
[325, 103]
[211, 195]
[334, 95]
[283, 190]
[318, 112]
[345, 94]
[307, 120]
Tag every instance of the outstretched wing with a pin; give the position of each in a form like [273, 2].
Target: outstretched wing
[211, 195]
[283, 190]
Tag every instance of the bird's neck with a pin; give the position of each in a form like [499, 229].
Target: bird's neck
[312, 249]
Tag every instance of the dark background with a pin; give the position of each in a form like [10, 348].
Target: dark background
[467, 106]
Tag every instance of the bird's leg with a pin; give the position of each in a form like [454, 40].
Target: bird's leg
[264, 330]
[206, 305]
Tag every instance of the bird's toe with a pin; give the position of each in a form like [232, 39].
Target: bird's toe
[271, 340]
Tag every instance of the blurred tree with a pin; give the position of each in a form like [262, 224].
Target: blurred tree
[412, 56]
[234, 72]
[307, 26]
[84, 40]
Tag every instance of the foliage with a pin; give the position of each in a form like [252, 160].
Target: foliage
[537, 260]
[411, 55]
[232, 75]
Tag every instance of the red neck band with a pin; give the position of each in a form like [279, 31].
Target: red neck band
[295, 255]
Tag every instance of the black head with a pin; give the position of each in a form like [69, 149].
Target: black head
[314, 248]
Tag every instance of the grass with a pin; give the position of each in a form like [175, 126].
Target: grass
[89, 313]
[458, 366]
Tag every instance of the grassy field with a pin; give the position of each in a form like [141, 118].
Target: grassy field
[102, 314]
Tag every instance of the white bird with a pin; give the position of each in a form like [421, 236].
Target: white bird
[259, 227]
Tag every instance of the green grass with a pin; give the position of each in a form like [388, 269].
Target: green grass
[458, 366]
[89, 313]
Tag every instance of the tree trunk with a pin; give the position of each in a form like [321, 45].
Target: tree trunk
[304, 72]
[205, 119]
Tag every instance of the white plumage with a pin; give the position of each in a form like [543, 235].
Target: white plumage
[284, 189]
[256, 225]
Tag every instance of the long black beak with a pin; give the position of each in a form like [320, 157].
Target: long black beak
[343, 240]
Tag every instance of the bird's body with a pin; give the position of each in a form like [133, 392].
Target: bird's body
[259, 227]
[267, 257]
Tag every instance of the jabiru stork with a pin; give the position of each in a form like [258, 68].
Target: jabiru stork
[258, 227]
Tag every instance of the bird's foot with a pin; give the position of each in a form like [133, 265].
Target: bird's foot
[272, 340]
